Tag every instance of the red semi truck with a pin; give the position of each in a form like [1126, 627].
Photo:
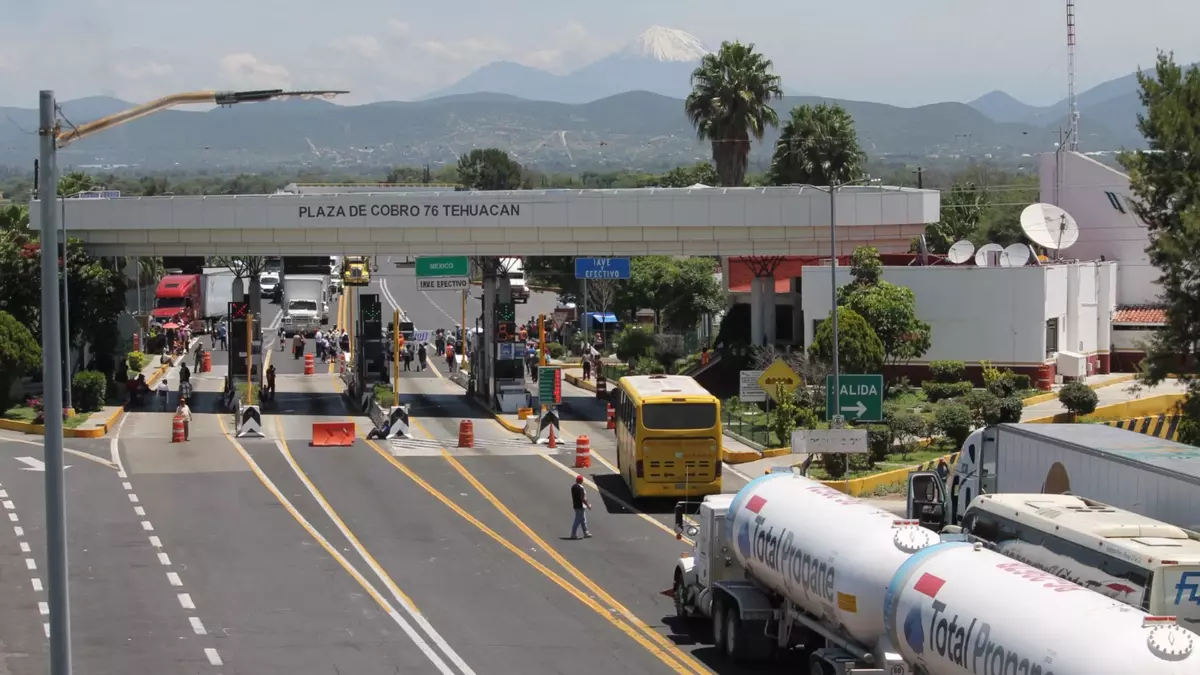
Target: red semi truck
[180, 298]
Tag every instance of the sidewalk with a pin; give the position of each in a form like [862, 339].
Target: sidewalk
[1108, 394]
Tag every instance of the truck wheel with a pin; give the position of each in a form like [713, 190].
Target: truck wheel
[718, 625]
[681, 609]
[734, 651]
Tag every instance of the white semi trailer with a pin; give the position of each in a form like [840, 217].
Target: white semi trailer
[1150, 476]
[790, 563]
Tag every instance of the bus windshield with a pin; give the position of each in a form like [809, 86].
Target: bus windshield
[1181, 591]
[679, 416]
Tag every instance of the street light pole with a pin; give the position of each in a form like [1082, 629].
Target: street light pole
[52, 394]
[66, 307]
[833, 264]
[50, 140]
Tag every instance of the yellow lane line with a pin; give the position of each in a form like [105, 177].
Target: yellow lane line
[405, 601]
[671, 656]
[341, 560]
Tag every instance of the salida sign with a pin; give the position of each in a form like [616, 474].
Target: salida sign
[414, 211]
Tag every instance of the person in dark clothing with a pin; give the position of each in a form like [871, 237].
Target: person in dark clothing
[185, 375]
[579, 502]
[271, 381]
[421, 356]
[587, 368]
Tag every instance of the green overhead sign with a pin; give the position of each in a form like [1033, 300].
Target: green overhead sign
[443, 266]
[860, 398]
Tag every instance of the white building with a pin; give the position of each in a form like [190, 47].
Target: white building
[1100, 200]
[1038, 320]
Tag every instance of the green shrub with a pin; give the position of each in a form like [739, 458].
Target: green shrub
[647, 365]
[947, 371]
[19, 354]
[879, 442]
[940, 391]
[979, 401]
[384, 396]
[1078, 398]
[954, 420]
[633, 343]
[908, 428]
[1003, 386]
[859, 348]
[1022, 382]
[555, 350]
[834, 465]
[137, 361]
[89, 390]
[1003, 411]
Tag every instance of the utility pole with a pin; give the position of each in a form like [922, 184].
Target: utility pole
[52, 401]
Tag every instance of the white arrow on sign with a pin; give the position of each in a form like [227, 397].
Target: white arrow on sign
[35, 464]
[860, 409]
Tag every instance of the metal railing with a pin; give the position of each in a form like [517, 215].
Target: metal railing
[750, 423]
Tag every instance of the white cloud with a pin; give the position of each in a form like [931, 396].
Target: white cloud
[143, 71]
[467, 49]
[365, 46]
[397, 28]
[245, 71]
[569, 47]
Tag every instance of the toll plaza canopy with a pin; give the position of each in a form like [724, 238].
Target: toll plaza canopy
[648, 221]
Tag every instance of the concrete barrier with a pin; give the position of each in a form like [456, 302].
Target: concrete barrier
[1159, 426]
[858, 487]
[1142, 407]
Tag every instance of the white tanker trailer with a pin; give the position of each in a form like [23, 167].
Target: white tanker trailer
[787, 562]
[790, 563]
[961, 609]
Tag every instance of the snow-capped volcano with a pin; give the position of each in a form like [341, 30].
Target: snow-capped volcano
[666, 44]
[660, 60]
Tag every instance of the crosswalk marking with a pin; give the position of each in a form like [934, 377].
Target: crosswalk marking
[423, 447]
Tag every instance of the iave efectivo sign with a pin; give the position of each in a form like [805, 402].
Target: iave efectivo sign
[602, 268]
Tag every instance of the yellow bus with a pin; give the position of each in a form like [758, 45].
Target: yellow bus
[668, 436]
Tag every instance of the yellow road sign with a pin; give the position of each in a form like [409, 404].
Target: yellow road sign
[778, 379]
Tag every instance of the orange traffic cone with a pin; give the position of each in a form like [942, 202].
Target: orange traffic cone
[553, 443]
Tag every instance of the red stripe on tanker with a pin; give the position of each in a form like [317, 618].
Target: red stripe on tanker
[827, 552]
[991, 615]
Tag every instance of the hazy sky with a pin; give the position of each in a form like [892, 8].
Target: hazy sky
[905, 53]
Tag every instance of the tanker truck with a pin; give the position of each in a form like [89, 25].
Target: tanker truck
[958, 608]
[788, 563]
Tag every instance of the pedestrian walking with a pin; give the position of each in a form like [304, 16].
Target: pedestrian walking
[579, 502]
[186, 413]
[587, 368]
[164, 390]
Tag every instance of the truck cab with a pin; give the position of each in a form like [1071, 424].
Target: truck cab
[179, 297]
[515, 270]
[939, 502]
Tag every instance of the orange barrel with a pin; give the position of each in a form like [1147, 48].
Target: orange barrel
[601, 386]
[612, 417]
[177, 435]
[466, 434]
[309, 365]
[583, 453]
[1045, 377]
[206, 365]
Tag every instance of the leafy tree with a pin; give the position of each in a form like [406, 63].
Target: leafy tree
[489, 169]
[74, 183]
[633, 343]
[859, 348]
[963, 208]
[679, 291]
[890, 310]
[683, 176]
[818, 146]
[730, 103]
[1164, 181]
[14, 218]
[601, 294]
[19, 354]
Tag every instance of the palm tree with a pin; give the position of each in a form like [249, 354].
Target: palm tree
[729, 103]
[818, 146]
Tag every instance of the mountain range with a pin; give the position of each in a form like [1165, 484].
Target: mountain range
[624, 111]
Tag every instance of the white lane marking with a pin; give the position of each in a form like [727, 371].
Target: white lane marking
[404, 625]
[9, 505]
[13, 517]
[114, 450]
[44, 608]
[197, 626]
[155, 541]
[30, 564]
[379, 573]
[147, 526]
[24, 547]
[162, 558]
[127, 486]
[3, 494]
[78, 453]
[133, 498]
[19, 531]
[37, 584]
[46, 629]
[185, 601]
[174, 579]
[213, 657]
[140, 511]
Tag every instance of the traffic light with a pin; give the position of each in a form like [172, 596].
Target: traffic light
[371, 314]
[238, 311]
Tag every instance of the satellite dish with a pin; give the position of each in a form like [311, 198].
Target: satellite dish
[960, 252]
[1017, 255]
[987, 253]
[1049, 226]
